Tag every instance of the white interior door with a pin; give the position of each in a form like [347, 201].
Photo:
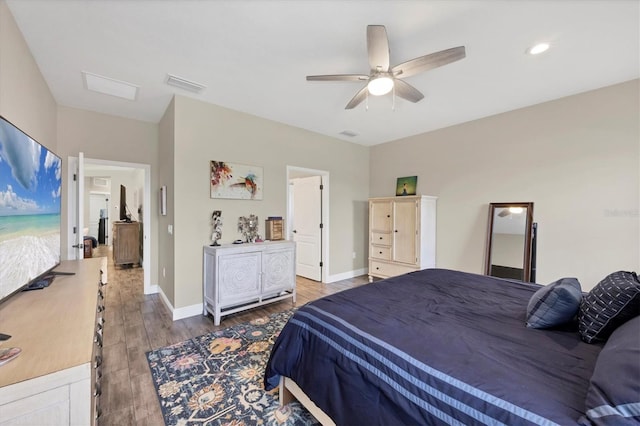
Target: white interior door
[306, 226]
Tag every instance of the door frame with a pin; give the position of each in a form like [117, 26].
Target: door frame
[146, 212]
[298, 172]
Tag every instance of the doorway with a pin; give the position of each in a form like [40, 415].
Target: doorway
[307, 220]
[141, 201]
[98, 216]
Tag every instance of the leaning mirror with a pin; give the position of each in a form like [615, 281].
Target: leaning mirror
[509, 241]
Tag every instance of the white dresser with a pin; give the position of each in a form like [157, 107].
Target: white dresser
[56, 378]
[402, 235]
[243, 276]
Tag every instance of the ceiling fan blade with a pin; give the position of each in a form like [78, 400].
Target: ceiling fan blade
[338, 77]
[407, 91]
[504, 212]
[427, 62]
[357, 99]
[378, 47]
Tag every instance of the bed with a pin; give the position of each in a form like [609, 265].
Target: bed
[433, 347]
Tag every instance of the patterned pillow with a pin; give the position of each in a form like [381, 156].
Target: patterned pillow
[608, 305]
[613, 397]
[554, 304]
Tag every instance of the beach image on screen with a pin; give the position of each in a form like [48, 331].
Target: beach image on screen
[30, 185]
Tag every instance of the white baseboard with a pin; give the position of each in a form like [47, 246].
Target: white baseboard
[153, 289]
[188, 311]
[180, 313]
[347, 275]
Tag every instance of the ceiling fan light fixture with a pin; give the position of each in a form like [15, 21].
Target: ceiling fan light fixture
[380, 85]
[538, 48]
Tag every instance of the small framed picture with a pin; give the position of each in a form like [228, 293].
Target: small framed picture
[406, 185]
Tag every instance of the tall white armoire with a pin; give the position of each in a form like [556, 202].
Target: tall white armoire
[402, 235]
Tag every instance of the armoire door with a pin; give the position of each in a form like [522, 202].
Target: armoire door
[405, 238]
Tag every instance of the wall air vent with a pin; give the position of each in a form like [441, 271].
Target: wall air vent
[349, 133]
[184, 84]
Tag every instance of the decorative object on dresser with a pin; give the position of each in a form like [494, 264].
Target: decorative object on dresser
[243, 276]
[406, 185]
[248, 227]
[216, 221]
[56, 378]
[402, 235]
[236, 181]
[274, 228]
[126, 243]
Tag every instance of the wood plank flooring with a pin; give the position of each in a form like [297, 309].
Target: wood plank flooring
[136, 324]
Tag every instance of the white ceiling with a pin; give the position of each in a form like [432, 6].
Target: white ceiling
[253, 56]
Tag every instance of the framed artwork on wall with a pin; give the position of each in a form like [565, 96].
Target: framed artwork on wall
[163, 200]
[235, 181]
[406, 185]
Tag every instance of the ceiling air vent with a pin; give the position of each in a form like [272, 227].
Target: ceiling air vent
[185, 84]
[110, 86]
[349, 133]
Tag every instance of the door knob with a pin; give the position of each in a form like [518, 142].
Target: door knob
[295, 232]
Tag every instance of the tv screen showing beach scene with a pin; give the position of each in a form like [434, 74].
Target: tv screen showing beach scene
[30, 184]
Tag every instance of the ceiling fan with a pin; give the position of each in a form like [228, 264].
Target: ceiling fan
[383, 78]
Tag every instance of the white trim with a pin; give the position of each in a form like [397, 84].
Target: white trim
[181, 313]
[188, 311]
[347, 275]
[325, 212]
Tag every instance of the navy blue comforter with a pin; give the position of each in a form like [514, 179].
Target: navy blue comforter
[433, 347]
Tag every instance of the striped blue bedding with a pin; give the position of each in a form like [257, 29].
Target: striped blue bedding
[434, 347]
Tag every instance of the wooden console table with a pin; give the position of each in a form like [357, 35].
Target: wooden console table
[56, 378]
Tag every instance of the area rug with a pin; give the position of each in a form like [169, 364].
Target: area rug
[217, 379]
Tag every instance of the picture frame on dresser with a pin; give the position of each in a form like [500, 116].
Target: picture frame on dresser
[406, 186]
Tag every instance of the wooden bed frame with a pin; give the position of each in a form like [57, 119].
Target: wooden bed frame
[290, 391]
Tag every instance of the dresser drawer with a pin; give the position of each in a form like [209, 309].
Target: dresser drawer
[380, 252]
[381, 239]
[384, 270]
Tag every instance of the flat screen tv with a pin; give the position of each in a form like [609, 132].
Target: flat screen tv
[30, 185]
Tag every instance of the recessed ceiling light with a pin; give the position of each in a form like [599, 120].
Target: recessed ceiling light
[538, 48]
[110, 86]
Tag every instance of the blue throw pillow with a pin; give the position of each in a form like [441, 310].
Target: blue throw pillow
[554, 304]
[613, 397]
[611, 303]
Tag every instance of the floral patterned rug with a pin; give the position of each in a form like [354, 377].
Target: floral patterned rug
[217, 379]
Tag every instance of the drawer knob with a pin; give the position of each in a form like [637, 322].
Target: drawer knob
[388, 215]
[380, 252]
[380, 237]
[377, 268]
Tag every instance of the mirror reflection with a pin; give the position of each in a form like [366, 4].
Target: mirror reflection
[509, 241]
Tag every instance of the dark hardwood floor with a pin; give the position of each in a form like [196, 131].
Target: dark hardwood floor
[136, 323]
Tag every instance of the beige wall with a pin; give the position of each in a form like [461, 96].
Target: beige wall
[106, 137]
[25, 98]
[576, 158]
[205, 132]
[166, 147]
